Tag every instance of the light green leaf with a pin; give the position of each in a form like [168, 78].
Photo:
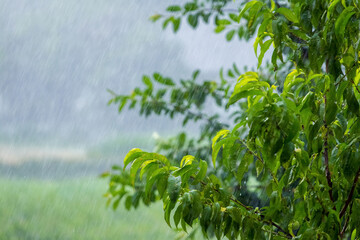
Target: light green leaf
[220, 134]
[332, 7]
[146, 165]
[220, 28]
[223, 22]
[147, 81]
[244, 94]
[353, 235]
[202, 172]
[290, 15]
[272, 5]
[132, 155]
[248, 6]
[342, 21]
[187, 160]
[220, 144]
[155, 17]
[264, 47]
[135, 167]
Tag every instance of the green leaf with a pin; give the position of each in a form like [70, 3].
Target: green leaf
[223, 22]
[165, 81]
[155, 17]
[220, 28]
[220, 134]
[244, 94]
[162, 185]
[244, 166]
[173, 187]
[147, 81]
[195, 74]
[153, 178]
[174, 8]
[234, 17]
[259, 167]
[205, 217]
[332, 7]
[187, 160]
[176, 24]
[288, 150]
[180, 172]
[230, 35]
[132, 155]
[353, 235]
[202, 172]
[135, 167]
[190, 6]
[290, 15]
[248, 85]
[273, 5]
[178, 215]
[248, 6]
[128, 202]
[216, 146]
[342, 21]
[169, 206]
[193, 20]
[264, 47]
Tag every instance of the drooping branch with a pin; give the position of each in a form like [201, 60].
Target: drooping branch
[351, 193]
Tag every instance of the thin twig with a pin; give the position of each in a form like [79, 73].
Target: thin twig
[346, 222]
[357, 89]
[349, 199]
[347, 72]
[260, 159]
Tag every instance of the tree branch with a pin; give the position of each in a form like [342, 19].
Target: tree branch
[326, 158]
[349, 199]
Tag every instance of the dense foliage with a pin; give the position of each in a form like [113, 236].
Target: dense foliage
[287, 164]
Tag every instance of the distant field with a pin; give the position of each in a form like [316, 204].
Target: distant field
[72, 209]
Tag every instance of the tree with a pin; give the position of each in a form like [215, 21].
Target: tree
[287, 165]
